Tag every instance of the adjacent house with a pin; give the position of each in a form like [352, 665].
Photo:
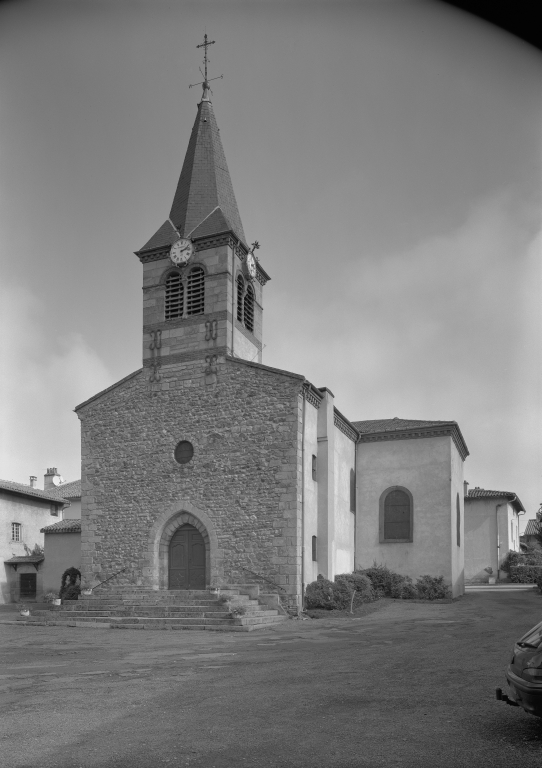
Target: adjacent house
[491, 531]
[24, 510]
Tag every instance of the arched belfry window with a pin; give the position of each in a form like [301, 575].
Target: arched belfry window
[174, 296]
[396, 515]
[240, 292]
[195, 292]
[248, 309]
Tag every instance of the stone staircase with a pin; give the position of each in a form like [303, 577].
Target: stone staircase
[133, 607]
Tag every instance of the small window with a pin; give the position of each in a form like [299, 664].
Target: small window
[16, 532]
[184, 452]
[53, 510]
[352, 491]
[248, 309]
[240, 292]
[195, 293]
[174, 296]
[313, 467]
[458, 520]
[396, 515]
[314, 549]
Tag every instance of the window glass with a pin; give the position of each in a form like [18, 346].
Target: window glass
[397, 516]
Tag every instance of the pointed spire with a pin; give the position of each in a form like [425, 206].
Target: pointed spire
[205, 183]
[204, 202]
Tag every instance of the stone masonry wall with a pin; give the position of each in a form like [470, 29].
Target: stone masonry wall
[244, 474]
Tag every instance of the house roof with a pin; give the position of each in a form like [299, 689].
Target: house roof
[483, 493]
[67, 490]
[372, 430]
[36, 493]
[204, 203]
[532, 528]
[63, 526]
[393, 425]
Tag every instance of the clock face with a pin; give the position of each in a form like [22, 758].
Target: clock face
[181, 251]
[251, 265]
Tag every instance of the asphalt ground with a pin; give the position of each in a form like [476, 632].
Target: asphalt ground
[406, 684]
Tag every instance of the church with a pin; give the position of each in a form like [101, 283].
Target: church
[207, 468]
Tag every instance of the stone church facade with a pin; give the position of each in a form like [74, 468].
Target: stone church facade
[207, 468]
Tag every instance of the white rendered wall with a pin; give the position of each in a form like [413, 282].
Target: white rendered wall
[483, 539]
[32, 515]
[423, 466]
[310, 493]
[457, 490]
[343, 544]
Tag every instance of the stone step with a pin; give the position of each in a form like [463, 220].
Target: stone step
[139, 613]
[158, 623]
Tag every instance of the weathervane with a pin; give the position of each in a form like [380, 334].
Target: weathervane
[206, 43]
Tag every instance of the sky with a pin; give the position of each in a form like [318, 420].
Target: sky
[386, 155]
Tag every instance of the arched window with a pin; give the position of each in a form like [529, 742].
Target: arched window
[249, 309]
[240, 291]
[195, 294]
[396, 515]
[458, 520]
[174, 296]
[16, 532]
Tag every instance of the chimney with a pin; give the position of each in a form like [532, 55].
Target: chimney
[50, 477]
[33, 481]
[465, 488]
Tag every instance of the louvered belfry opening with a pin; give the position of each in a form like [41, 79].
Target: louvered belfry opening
[195, 295]
[248, 309]
[174, 296]
[240, 291]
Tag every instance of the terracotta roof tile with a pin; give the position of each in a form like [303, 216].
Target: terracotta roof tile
[393, 425]
[67, 490]
[27, 490]
[532, 528]
[63, 526]
[483, 493]
[24, 559]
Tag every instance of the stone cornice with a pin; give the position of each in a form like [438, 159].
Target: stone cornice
[200, 244]
[450, 430]
[344, 426]
[312, 395]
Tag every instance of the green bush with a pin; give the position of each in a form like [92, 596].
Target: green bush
[320, 594]
[404, 590]
[516, 564]
[432, 588]
[383, 580]
[360, 583]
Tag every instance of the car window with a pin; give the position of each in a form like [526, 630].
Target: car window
[533, 637]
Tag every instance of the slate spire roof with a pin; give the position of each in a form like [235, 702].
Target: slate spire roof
[204, 202]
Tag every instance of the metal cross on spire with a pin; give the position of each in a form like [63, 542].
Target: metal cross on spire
[206, 43]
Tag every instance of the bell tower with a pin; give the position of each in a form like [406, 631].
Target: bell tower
[202, 284]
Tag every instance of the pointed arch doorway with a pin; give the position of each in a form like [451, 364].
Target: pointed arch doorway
[186, 559]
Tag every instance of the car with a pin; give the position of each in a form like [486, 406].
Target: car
[524, 673]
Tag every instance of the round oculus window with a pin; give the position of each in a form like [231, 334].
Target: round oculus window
[184, 452]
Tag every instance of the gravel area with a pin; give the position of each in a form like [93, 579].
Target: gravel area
[404, 684]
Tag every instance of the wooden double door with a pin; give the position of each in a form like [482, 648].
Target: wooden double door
[186, 559]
